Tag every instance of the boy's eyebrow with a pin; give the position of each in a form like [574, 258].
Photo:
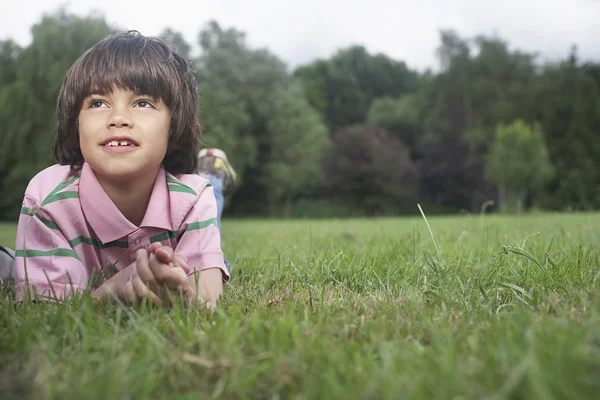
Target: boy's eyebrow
[101, 92]
[95, 91]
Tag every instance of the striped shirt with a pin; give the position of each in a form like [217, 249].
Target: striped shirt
[72, 237]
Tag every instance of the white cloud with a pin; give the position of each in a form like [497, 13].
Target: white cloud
[301, 31]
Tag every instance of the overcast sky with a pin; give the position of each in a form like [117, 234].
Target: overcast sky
[301, 31]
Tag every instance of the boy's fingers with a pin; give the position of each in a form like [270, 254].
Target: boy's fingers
[162, 270]
[142, 266]
[126, 293]
[146, 273]
[181, 261]
[169, 277]
[142, 291]
[177, 280]
[164, 254]
[155, 246]
[159, 269]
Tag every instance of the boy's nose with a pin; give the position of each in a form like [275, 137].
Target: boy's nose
[119, 119]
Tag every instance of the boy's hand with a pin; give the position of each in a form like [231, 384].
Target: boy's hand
[206, 285]
[135, 291]
[156, 278]
[164, 273]
[209, 287]
[168, 256]
[126, 285]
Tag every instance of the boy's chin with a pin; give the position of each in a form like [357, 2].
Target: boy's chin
[125, 173]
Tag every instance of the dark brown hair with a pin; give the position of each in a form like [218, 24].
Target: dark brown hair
[146, 66]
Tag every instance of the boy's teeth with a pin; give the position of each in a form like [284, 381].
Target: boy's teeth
[118, 143]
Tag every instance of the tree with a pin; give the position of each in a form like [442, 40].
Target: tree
[9, 54]
[568, 98]
[298, 136]
[342, 88]
[482, 84]
[518, 163]
[400, 116]
[369, 169]
[177, 42]
[226, 120]
[239, 89]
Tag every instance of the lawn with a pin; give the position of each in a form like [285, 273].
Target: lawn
[499, 307]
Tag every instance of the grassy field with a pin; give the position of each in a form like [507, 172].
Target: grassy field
[501, 307]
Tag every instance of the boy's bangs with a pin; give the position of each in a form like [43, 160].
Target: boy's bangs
[142, 69]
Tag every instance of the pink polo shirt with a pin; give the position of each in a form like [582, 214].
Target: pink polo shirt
[71, 236]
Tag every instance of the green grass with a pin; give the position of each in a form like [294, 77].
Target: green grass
[341, 309]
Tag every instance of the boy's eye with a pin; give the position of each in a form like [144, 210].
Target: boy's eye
[144, 104]
[96, 103]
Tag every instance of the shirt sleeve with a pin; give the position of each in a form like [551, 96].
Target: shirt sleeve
[199, 237]
[45, 261]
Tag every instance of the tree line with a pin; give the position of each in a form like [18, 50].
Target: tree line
[355, 134]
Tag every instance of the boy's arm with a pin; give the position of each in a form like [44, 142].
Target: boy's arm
[200, 244]
[208, 285]
[113, 286]
[45, 260]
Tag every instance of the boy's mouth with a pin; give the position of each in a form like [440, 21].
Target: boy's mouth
[119, 144]
[113, 143]
[121, 140]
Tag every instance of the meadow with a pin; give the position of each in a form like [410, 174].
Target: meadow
[495, 307]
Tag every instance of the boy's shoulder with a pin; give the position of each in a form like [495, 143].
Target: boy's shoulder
[54, 179]
[186, 183]
[186, 191]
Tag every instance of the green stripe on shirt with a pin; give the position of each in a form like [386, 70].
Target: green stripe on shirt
[96, 243]
[163, 236]
[202, 224]
[79, 239]
[61, 186]
[28, 211]
[177, 186]
[42, 253]
[181, 188]
[60, 196]
[48, 222]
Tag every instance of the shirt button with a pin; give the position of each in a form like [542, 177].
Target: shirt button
[138, 241]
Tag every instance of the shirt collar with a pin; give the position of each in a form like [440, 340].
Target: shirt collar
[106, 219]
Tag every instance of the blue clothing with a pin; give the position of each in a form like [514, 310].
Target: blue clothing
[218, 190]
[217, 183]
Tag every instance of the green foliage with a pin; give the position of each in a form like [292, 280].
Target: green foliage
[237, 86]
[482, 84]
[399, 116]
[518, 163]
[367, 168]
[569, 95]
[343, 87]
[177, 42]
[298, 137]
[247, 104]
[9, 54]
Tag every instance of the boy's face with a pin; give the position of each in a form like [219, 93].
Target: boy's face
[123, 136]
